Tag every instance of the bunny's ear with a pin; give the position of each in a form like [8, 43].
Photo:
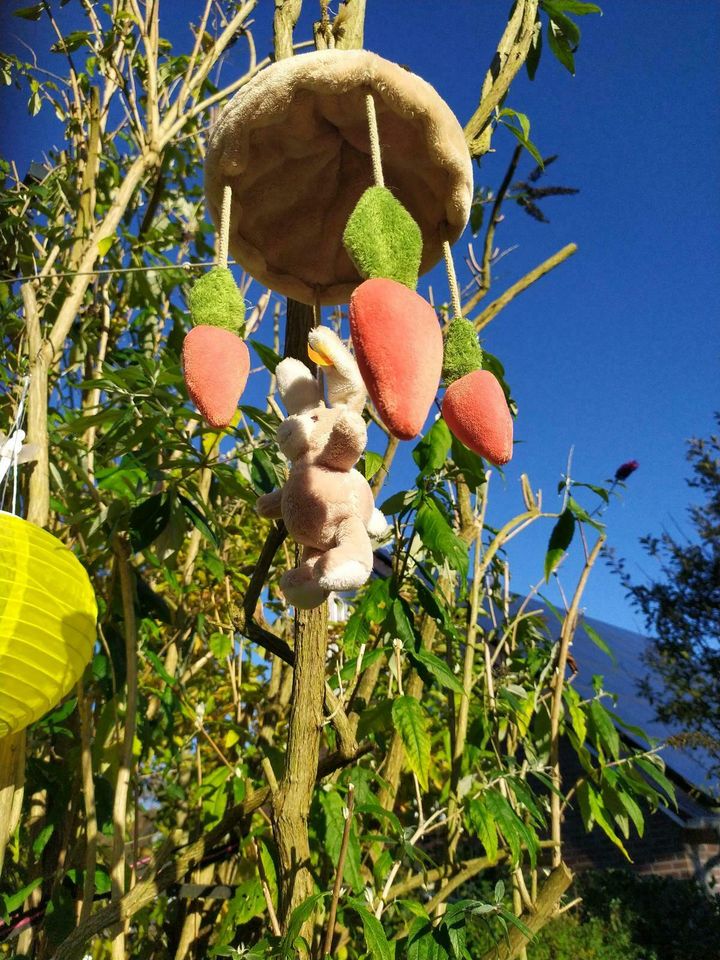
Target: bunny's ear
[345, 386]
[298, 388]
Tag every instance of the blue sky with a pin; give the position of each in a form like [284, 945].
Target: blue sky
[616, 352]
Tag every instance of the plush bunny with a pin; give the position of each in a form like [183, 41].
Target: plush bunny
[327, 506]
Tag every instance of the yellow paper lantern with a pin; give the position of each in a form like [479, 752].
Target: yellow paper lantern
[47, 622]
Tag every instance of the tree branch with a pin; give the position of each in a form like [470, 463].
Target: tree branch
[494, 308]
[509, 57]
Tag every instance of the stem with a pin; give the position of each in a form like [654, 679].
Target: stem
[291, 803]
[266, 890]
[494, 308]
[547, 901]
[464, 707]
[339, 874]
[117, 870]
[510, 55]
[88, 789]
[566, 636]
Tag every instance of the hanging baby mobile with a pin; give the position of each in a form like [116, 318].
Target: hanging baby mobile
[339, 177]
[47, 604]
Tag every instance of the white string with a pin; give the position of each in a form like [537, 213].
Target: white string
[16, 443]
[224, 238]
[374, 140]
[452, 280]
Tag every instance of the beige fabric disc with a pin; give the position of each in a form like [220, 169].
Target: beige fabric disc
[294, 146]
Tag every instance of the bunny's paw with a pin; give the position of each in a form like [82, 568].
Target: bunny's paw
[301, 589]
[377, 525]
[347, 575]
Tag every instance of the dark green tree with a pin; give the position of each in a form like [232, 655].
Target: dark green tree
[682, 609]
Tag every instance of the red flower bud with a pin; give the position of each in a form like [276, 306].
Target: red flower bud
[625, 469]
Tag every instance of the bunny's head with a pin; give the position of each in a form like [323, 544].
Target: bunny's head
[333, 437]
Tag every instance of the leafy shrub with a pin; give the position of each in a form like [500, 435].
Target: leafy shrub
[623, 917]
[671, 919]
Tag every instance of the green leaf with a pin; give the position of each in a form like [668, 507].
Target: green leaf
[577, 714]
[581, 514]
[568, 28]
[439, 537]
[29, 13]
[267, 422]
[598, 641]
[148, 520]
[15, 900]
[104, 245]
[377, 717]
[197, 518]
[591, 800]
[528, 144]
[356, 632]
[534, 53]
[298, 917]
[262, 471]
[379, 947]
[606, 734]
[654, 768]
[521, 118]
[400, 624]
[371, 464]
[477, 213]
[42, 838]
[517, 922]
[247, 902]
[409, 721]
[267, 355]
[513, 828]
[398, 502]
[572, 6]
[469, 463]
[431, 452]
[438, 669]
[220, 645]
[560, 47]
[483, 824]
[560, 540]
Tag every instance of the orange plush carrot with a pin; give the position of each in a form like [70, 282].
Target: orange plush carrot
[475, 409]
[474, 406]
[399, 350]
[216, 364]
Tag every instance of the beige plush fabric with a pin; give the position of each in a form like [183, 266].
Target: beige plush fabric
[294, 146]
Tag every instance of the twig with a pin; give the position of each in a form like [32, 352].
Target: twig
[566, 634]
[329, 933]
[266, 890]
[485, 278]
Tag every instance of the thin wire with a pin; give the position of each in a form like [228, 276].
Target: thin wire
[452, 280]
[185, 265]
[224, 238]
[374, 140]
